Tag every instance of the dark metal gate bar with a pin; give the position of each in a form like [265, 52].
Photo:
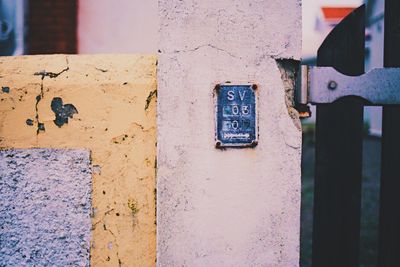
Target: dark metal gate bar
[389, 227]
[337, 198]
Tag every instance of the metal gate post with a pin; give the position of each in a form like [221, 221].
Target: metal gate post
[339, 152]
[389, 227]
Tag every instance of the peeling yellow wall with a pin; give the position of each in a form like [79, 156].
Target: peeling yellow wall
[115, 96]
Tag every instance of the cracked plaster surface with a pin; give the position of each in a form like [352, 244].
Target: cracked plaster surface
[231, 207]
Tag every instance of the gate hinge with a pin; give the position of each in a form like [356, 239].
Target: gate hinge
[320, 85]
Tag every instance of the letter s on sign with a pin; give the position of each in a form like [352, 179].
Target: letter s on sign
[231, 95]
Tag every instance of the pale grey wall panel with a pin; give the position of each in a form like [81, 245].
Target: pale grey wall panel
[45, 207]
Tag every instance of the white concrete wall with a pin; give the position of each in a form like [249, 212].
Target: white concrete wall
[232, 207]
[123, 26]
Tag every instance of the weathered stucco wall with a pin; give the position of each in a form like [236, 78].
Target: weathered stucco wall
[231, 207]
[45, 207]
[111, 104]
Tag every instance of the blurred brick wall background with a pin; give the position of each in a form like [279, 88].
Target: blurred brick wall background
[52, 27]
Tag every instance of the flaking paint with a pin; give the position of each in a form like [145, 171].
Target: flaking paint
[115, 121]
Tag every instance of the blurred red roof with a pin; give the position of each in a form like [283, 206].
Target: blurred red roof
[336, 13]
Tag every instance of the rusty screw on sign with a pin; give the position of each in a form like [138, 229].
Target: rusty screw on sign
[254, 143]
[218, 144]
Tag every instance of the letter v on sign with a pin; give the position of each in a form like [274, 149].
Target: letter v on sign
[242, 94]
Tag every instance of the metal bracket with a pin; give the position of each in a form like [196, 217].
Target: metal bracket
[321, 85]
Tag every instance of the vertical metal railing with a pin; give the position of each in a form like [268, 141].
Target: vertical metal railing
[337, 199]
[389, 223]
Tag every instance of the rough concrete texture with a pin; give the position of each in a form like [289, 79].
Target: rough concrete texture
[115, 100]
[45, 207]
[231, 207]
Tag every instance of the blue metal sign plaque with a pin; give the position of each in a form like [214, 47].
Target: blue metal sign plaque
[236, 118]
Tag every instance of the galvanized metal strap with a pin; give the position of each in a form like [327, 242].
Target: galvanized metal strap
[321, 85]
